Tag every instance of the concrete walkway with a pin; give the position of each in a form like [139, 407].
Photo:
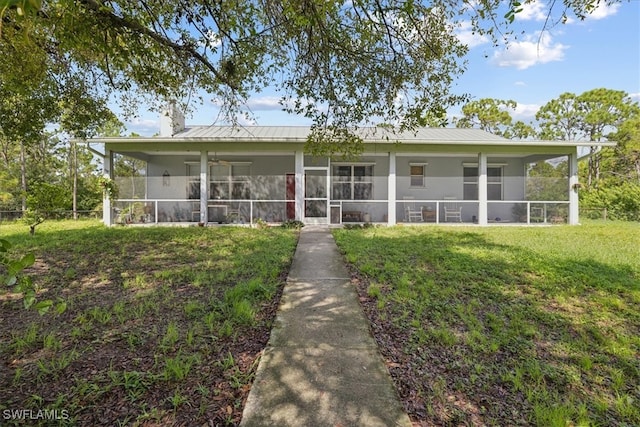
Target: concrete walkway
[321, 366]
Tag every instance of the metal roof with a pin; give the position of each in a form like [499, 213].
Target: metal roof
[300, 133]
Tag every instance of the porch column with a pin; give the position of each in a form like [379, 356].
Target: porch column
[391, 219]
[573, 191]
[107, 167]
[482, 189]
[299, 171]
[204, 187]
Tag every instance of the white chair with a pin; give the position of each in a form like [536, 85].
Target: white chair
[537, 214]
[411, 213]
[452, 210]
[233, 212]
[195, 211]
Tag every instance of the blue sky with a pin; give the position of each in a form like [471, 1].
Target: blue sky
[601, 51]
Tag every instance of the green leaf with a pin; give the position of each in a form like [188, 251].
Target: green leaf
[43, 306]
[61, 307]
[28, 260]
[12, 280]
[29, 299]
[15, 267]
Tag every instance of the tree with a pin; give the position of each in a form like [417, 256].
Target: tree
[558, 118]
[39, 90]
[602, 112]
[492, 115]
[547, 181]
[43, 201]
[519, 130]
[84, 110]
[134, 170]
[342, 64]
[590, 116]
[25, 114]
[622, 163]
[488, 114]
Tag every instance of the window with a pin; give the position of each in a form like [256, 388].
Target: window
[417, 172]
[352, 182]
[494, 183]
[193, 180]
[230, 181]
[240, 182]
[470, 183]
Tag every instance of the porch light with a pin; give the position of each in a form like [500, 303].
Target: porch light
[166, 179]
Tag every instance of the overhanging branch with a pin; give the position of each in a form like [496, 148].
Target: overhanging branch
[121, 22]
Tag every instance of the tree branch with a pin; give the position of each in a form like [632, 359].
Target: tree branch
[118, 21]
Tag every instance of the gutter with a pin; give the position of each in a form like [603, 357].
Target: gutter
[523, 143]
[94, 151]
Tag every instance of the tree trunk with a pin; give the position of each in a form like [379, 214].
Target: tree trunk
[74, 177]
[23, 176]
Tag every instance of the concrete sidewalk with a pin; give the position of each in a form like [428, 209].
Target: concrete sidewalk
[321, 366]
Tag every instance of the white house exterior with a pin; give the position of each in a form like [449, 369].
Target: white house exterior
[214, 174]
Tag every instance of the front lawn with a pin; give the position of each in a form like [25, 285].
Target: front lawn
[506, 325]
[163, 326]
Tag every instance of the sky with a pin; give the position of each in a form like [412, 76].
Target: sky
[602, 51]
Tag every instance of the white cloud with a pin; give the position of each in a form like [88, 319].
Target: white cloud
[264, 103]
[143, 126]
[529, 52]
[604, 10]
[519, 83]
[539, 11]
[525, 112]
[260, 103]
[635, 96]
[536, 11]
[467, 37]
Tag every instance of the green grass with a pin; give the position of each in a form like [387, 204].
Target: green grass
[153, 317]
[508, 325]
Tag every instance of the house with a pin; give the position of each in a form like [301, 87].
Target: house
[219, 174]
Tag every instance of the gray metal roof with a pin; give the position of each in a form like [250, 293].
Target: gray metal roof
[300, 133]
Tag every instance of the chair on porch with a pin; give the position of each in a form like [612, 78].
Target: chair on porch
[233, 212]
[411, 213]
[452, 210]
[195, 211]
[537, 214]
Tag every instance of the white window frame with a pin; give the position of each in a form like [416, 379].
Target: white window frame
[352, 180]
[473, 180]
[422, 177]
[229, 181]
[193, 180]
[499, 182]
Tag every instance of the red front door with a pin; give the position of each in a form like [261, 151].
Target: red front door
[291, 195]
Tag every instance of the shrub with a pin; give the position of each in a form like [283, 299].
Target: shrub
[292, 223]
[622, 201]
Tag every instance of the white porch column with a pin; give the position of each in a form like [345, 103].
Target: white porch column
[482, 189]
[107, 167]
[391, 219]
[574, 218]
[299, 171]
[204, 186]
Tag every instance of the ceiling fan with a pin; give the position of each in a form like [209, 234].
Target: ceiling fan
[217, 161]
